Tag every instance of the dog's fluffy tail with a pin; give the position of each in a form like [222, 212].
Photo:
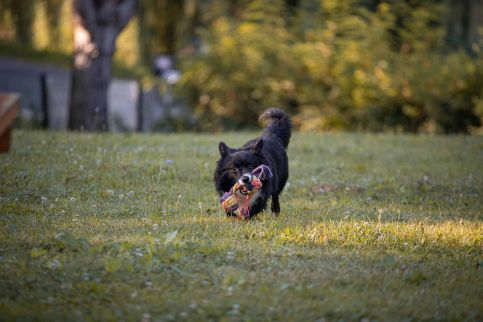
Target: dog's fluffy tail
[279, 124]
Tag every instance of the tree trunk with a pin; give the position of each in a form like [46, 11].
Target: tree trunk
[23, 16]
[97, 23]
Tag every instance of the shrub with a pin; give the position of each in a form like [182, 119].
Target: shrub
[335, 65]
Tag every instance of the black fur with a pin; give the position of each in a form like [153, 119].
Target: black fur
[268, 149]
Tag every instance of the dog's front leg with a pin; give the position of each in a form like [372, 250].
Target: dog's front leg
[257, 205]
[275, 204]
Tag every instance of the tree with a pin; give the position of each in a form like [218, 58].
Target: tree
[53, 10]
[160, 28]
[97, 23]
[23, 16]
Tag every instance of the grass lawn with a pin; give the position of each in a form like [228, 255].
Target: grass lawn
[128, 227]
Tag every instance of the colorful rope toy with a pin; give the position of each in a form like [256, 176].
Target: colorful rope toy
[236, 201]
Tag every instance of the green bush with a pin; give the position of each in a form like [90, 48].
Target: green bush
[336, 65]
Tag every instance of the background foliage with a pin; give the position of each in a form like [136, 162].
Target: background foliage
[338, 65]
[334, 65]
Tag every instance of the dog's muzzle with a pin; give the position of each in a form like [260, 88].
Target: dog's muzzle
[245, 181]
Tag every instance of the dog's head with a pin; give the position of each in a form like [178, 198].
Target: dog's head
[236, 164]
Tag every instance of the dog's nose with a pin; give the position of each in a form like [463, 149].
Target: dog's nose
[245, 178]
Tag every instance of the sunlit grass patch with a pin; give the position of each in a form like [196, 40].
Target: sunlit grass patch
[128, 227]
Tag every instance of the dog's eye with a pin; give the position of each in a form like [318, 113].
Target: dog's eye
[235, 172]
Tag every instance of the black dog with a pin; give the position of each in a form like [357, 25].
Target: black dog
[269, 149]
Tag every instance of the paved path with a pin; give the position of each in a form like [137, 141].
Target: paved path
[7, 64]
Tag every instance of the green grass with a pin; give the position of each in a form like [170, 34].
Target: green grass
[373, 227]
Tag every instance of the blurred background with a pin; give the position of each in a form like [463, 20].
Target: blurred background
[211, 65]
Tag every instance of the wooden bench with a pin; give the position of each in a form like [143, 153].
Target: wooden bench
[9, 109]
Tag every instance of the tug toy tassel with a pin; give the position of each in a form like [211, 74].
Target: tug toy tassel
[236, 201]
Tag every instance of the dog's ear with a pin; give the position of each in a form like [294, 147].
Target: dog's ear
[224, 149]
[258, 146]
